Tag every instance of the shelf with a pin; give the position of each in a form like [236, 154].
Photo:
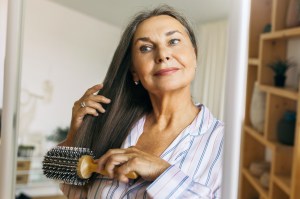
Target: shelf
[259, 137]
[253, 61]
[284, 182]
[282, 92]
[264, 145]
[273, 145]
[282, 34]
[255, 183]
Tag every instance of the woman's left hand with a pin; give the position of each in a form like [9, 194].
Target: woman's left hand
[119, 162]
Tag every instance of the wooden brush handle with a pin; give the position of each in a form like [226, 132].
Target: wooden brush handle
[86, 167]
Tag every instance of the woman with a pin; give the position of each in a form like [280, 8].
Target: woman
[148, 122]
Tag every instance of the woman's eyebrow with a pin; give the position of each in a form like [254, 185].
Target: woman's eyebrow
[142, 39]
[147, 39]
[172, 32]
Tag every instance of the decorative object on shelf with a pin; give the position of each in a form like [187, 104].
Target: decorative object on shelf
[59, 134]
[286, 128]
[265, 180]
[257, 108]
[280, 67]
[25, 151]
[257, 168]
[267, 28]
[293, 14]
[23, 165]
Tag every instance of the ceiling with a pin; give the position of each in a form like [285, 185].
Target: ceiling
[118, 12]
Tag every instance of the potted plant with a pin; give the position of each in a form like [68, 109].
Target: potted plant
[59, 134]
[280, 67]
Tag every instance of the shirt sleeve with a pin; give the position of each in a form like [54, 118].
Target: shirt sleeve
[174, 183]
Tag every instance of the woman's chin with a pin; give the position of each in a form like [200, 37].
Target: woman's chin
[169, 88]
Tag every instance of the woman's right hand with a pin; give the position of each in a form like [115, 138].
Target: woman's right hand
[89, 103]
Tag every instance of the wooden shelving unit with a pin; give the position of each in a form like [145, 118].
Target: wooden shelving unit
[264, 48]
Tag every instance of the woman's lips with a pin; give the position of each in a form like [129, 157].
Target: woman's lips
[166, 71]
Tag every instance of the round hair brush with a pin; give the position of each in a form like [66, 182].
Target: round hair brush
[72, 165]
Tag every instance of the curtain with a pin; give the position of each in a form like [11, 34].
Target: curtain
[209, 84]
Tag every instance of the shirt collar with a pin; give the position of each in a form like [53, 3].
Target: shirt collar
[202, 123]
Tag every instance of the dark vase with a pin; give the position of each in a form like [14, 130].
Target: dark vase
[279, 80]
[286, 128]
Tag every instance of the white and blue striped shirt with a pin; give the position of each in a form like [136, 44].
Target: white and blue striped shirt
[196, 159]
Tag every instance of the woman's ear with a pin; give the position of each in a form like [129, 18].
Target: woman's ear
[134, 75]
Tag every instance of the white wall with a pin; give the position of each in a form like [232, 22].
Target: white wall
[66, 48]
[3, 21]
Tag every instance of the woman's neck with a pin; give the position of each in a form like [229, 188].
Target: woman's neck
[172, 108]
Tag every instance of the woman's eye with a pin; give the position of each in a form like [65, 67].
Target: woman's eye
[174, 41]
[144, 49]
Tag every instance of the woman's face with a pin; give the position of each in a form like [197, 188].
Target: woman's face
[163, 56]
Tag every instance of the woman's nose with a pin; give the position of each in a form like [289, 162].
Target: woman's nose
[162, 56]
[163, 59]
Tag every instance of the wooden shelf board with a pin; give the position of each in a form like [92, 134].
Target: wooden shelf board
[253, 61]
[283, 92]
[255, 183]
[276, 144]
[282, 34]
[272, 144]
[284, 182]
[259, 137]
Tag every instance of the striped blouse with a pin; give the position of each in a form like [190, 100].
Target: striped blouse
[196, 165]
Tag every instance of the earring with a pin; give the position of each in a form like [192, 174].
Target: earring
[136, 82]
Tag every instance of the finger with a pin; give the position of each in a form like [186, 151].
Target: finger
[129, 166]
[95, 105]
[103, 159]
[123, 178]
[93, 89]
[125, 169]
[113, 162]
[84, 111]
[100, 99]
[93, 102]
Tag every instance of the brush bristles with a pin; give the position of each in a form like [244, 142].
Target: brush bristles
[60, 163]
